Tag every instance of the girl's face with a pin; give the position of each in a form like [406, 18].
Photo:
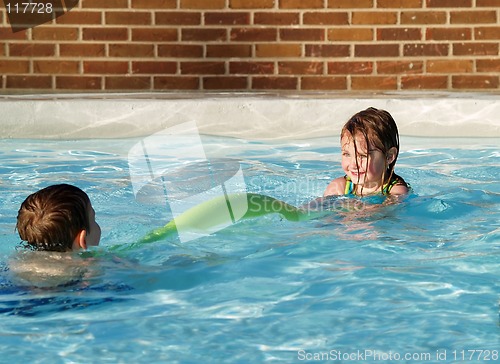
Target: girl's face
[366, 167]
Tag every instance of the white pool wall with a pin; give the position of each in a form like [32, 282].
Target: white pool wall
[262, 116]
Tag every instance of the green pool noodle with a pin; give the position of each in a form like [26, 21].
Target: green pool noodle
[213, 213]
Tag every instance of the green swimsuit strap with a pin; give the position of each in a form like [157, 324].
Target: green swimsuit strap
[395, 180]
[386, 189]
[349, 186]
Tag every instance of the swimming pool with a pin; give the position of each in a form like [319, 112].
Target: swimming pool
[416, 281]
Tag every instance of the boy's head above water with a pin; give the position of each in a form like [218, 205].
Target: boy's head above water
[58, 218]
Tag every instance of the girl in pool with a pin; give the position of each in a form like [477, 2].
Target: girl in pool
[370, 148]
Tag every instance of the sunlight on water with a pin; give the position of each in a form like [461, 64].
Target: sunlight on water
[419, 276]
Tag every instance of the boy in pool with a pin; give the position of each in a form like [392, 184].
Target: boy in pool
[370, 148]
[58, 218]
[53, 222]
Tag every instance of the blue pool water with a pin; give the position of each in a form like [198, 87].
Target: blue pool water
[415, 281]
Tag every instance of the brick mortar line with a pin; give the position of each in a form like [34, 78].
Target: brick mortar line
[326, 73]
[260, 60]
[254, 44]
[275, 9]
[263, 26]
[375, 27]
[154, 45]
[326, 41]
[281, 10]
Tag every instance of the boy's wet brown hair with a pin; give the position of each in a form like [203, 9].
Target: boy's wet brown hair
[379, 130]
[51, 218]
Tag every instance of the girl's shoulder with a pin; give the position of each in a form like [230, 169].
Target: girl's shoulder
[398, 186]
[336, 187]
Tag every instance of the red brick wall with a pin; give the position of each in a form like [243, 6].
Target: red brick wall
[256, 45]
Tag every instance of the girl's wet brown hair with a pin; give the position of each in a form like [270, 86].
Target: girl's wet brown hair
[379, 130]
[51, 218]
